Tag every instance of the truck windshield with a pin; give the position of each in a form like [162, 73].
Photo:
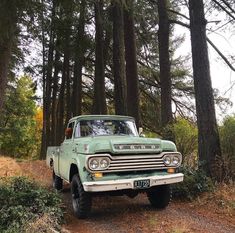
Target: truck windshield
[107, 127]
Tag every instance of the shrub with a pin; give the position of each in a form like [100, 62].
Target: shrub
[186, 141]
[23, 202]
[195, 182]
[227, 135]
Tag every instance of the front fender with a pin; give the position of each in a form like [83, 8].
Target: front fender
[79, 161]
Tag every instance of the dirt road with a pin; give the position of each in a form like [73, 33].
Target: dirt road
[122, 214]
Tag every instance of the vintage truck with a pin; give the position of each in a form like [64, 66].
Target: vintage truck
[104, 154]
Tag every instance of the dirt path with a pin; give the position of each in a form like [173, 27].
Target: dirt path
[122, 214]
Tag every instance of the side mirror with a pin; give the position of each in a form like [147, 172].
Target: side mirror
[68, 133]
[141, 132]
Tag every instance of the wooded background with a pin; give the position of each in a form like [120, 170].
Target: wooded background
[111, 57]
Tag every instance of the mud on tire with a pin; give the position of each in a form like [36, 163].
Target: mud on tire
[160, 196]
[81, 200]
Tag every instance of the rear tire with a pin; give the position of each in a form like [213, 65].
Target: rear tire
[81, 200]
[160, 196]
[57, 182]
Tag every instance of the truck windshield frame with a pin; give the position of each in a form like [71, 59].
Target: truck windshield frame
[105, 127]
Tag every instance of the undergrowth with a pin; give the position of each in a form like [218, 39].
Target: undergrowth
[24, 204]
[195, 182]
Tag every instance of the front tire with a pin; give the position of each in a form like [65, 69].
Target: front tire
[160, 196]
[57, 182]
[81, 200]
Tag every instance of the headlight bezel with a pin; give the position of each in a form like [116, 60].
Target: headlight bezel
[99, 159]
[91, 162]
[172, 157]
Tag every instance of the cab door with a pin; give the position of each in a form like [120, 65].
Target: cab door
[66, 152]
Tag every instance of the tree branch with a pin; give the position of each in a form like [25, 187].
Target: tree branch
[178, 13]
[228, 5]
[221, 54]
[179, 23]
[224, 9]
[210, 42]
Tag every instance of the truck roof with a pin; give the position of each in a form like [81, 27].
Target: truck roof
[93, 117]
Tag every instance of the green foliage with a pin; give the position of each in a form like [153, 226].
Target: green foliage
[227, 136]
[23, 202]
[186, 141]
[18, 124]
[195, 182]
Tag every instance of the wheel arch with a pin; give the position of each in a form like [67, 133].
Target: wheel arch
[51, 163]
[72, 171]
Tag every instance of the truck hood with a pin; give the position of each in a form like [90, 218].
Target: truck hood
[122, 145]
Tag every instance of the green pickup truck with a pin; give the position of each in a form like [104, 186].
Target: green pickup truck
[104, 154]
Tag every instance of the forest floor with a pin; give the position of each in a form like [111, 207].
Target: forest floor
[211, 212]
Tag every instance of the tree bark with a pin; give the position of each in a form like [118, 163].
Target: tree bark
[8, 33]
[47, 99]
[61, 103]
[99, 101]
[120, 90]
[131, 64]
[208, 136]
[43, 136]
[47, 79]
[54, 94]
[164, 59]
[79, 62]
[5, 56]
[68, 32]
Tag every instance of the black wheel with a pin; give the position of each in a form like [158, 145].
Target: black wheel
[81, 200]
[57, 182]
[160, 196]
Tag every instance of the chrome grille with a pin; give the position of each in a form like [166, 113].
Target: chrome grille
[133, 162]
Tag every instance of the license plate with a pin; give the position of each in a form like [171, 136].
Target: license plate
[141, 184]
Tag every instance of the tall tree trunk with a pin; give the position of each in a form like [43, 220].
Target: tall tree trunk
[68, 96]
[107, 42]
[164, 59]
[54, 94]
[46, 131]
[208, 136]
[43, 137]
[61, 103]
[5, 55]
[79, 62]
[131, 64]
[119, 59]
[68, 31]
[8, 27]
[47, 103]
[99, 101]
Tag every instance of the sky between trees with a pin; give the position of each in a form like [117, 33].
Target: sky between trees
[223, 78]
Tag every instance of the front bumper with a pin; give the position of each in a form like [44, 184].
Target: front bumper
[112, 185]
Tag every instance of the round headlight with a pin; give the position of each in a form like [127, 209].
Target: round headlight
[175, 160]
[104, 163]
[93, 164]
[167, 160]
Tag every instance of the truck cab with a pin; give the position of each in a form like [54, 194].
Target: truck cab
[104, 154]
